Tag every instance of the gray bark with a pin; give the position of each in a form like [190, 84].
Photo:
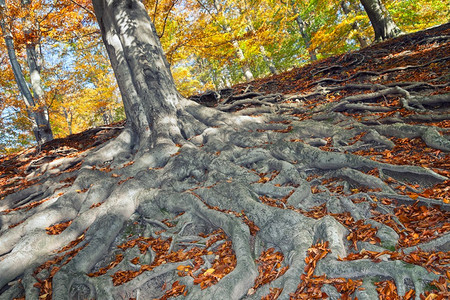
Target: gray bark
[37, 114]
[237, 48]
[361, 39]
[68, 116]
[302, 26]
[240, 55]
[142, 71]
[268, 60]
[382, 23]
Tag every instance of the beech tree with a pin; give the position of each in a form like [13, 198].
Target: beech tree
[207, 169]
[382, 23]
[37, 111]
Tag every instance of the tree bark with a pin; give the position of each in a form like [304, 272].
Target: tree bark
[361, 39]
[68, 116]
[382, 23]
[142, 71]
[306, 38]
[268, 60]
[37, 114]
[240, 55]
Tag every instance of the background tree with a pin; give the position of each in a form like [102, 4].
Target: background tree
[54, 43]
[35, 106]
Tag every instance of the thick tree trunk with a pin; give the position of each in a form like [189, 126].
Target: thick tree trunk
[382, 23]
[142, 71]
[37, 114]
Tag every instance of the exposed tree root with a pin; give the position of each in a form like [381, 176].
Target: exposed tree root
[215, 172]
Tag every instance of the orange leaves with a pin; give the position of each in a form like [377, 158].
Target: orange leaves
[58, 228]
[176, 290]
[357, 138]
[96, 205]
[68, 181]
[443, 289]
[14, 168]
[363, 232]
[223, 264]
[273, 294]
[439, 191]
[224, 261]
[27, 207]
[263, 180]
[125, 180]
[266, 177]
[310, 285]
[358, 230]
[421, 224]
[286, 130]
[53, 266]
[317, 212]
[432, 261]
[251, 225]
[387, 290]
[412, 152]
[269, 267]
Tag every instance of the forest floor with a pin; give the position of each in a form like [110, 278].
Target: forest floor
[400, 86]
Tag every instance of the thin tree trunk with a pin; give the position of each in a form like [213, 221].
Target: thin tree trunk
[361, 39]
[382, 23]
[237, 48]
[68, 117]
[302, 28]
[240, 55]
[268, 60]
[40, 123]
[38, 92]
[262, 49]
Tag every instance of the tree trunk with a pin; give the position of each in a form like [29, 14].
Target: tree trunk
[38, 92]
[268, 60]
[142, 71]
[262, 49]
[37, 114]
[361, 39]
[302, 28]
[244, 66]
[68, 116]
[382, 23]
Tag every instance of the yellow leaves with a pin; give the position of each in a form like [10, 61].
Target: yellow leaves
[209, 271]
